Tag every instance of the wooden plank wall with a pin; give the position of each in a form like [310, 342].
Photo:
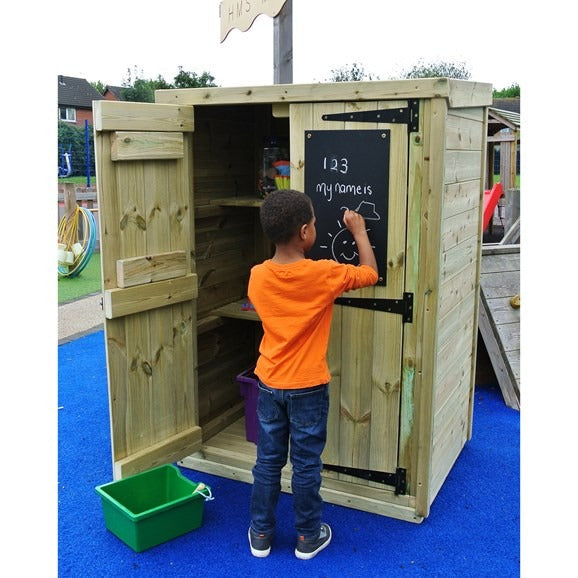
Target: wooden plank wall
[458, 290]
[144, 211]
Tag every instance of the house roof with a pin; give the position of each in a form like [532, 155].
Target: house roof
[511, 104]
[76, 92]
[116, 90]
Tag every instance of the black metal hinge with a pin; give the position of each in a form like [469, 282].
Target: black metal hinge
[398, 479]
[408, 115]
[403, 306]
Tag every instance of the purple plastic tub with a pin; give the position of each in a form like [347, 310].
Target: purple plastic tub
[250, 391]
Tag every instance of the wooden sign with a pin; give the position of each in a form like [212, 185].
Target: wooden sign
[348, 169]
[242, 13]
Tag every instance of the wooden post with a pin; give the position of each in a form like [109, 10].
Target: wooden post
[69, 200]
[489, 177]
[512, 206]
[506, 165]
[513, 161]
[283, 45]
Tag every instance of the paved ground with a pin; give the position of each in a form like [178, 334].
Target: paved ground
[80, 317]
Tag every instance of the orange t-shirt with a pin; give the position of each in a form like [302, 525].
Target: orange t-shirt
[295, 303]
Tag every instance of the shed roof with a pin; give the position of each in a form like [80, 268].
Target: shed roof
[459, 93]
[76, 92]
[500, 119]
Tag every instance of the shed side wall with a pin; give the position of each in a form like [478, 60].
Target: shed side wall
[458, 293]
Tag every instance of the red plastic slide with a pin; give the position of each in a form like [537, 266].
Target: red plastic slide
[491, 199]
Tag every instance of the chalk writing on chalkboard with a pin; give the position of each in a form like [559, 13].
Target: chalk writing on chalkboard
[348, 169]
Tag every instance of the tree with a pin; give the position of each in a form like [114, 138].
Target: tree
[191, 80]
[511, 91]
[139, 89]
[142, 90]
[439, 69]
[348, 73]
[98, 85]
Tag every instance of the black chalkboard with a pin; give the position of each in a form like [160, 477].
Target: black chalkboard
[348, 169]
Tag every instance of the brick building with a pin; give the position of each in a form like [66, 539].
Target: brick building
[75, 96]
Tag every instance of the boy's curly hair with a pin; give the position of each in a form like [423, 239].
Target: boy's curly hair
[283, 213]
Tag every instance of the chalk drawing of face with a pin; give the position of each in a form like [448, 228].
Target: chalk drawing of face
[343, 247]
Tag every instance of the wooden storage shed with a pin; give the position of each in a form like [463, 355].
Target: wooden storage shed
[177, 183]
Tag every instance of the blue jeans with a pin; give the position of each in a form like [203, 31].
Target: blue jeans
[298, 416]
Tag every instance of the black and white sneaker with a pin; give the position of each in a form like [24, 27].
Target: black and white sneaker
[260, 544]
[307, 549]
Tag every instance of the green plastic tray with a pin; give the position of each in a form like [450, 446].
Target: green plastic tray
[152, 507]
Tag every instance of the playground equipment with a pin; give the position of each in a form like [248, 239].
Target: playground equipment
[76, 241]
[65, 165]
[491, 199]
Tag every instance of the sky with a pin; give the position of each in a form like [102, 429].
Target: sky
[383, 37]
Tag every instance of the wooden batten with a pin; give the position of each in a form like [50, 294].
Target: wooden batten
[121, 302]
[142, 116]
[427, 296]
[170, 450]
[150, 268]
[132, 145]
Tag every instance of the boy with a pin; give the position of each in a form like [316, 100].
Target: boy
[294, 298]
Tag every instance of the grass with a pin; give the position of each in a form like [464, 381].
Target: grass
[79, 180]
[86, 283]
[89, 280]
[497, 180]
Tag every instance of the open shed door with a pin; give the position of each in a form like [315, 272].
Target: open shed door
[367, 172]
[145, 198]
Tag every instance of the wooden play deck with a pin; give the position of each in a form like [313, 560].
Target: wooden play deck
[499, 316]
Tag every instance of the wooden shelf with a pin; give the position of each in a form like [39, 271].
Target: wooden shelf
[235, 311]
[246, 201]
